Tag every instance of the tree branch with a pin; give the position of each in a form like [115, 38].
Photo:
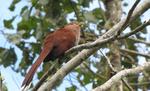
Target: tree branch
[44, 77]
[128, 17]
[135, 52]
[64, 70]
[111, 34]
[139, 28]
[113, 69]
[140, 41]
[120, 75]
[78, 59]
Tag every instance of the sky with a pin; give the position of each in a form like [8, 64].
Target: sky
[12, 79]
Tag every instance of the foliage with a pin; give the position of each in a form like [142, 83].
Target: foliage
[42, 16]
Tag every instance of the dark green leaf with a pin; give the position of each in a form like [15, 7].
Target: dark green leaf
[73, 88]
[23, 9]
[28, 25]
[12, 6]
[8, 23]
[7, 56]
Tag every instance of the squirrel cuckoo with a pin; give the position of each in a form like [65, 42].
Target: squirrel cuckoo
[55, 45]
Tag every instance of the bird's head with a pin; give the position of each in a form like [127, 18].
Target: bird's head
[74, 26]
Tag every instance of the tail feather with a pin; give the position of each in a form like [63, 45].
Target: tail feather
[30, 74]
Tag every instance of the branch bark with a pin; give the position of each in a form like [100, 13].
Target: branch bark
[120, 75]
[63, 71]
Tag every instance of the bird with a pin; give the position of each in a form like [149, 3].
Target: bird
[55, 45]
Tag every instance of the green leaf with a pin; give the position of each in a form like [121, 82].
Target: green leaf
[23, 9]
[126, 64]
[34, 2]
[70, 6]
[27, 58]
[87, 78]
[135, 23]
[36, 48]
[28, 25]
[98, 13]
[7, 57]
[8, 23]
[12, 6]
[73, 88]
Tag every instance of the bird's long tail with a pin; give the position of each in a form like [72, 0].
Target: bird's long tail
[30, 74]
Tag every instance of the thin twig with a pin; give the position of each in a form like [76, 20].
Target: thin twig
[34, 4]
[116, 78]
[75, 11]
[109, 63]
[114, 70]
[140, 41]
[140, 84]
[99, 76]
[2, 32]
[82, 84]
[127, 84]
[129, 57]
[128, 17]
[90, 45]
[139, 28]
[71, 82]
[135, 52]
